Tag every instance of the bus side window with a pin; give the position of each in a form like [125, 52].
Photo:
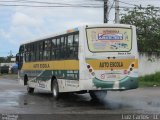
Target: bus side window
[63, 47]
[62, 42]
[37, 51]
[58, 49]
[70, 40]
[65, 53]
[41, 50]
[47, 50]
[32, 52]
[70, 46]
[27, 54]
[53, 43]
[53, 55]
[76, 41]
[58, 42]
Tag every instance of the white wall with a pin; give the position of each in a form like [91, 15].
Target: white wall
[7, 64]
[148, 63]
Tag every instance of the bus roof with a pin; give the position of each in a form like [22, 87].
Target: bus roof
[50, 36]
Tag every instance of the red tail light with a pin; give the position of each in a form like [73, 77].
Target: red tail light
[90, 70]
[88, 66]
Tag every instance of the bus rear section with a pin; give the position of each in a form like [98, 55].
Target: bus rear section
[111, 58]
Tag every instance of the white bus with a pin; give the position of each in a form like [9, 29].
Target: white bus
[91, 58]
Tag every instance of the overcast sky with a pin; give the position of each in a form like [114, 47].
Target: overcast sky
[18, 24]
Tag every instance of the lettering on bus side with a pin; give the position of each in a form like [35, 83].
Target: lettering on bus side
[111, 64]
[35, 65]
[41, 66]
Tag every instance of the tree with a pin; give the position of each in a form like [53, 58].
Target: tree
[147, 21]
[2, 59]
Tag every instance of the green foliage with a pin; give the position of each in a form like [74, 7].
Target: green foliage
[5, 59]
[147, 21]
[150, 80]
[2, 59]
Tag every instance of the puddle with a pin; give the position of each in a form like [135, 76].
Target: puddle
[9, 98]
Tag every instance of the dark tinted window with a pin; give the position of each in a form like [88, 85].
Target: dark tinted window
[58, 48]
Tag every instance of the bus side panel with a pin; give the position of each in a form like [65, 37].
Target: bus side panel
[40, 74]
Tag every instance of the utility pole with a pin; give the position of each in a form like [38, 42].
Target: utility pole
[105, 11]
[116, 11]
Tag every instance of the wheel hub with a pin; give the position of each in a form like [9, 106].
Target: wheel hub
[55, 92]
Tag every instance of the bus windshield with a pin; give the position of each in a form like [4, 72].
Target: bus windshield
[102, 39]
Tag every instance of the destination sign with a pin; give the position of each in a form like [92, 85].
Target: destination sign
[110, 37]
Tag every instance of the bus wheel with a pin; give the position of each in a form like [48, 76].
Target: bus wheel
[55, 90]
[98, 95]
[30, 90]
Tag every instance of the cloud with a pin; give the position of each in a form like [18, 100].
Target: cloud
[4, 34]
[26, 24]
[23, 20]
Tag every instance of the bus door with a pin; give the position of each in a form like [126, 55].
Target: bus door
[19, 57]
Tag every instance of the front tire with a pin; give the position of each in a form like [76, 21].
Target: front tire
[98, 95]
[30, 90]
[55, 90]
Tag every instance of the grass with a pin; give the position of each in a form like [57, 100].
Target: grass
[150, 80]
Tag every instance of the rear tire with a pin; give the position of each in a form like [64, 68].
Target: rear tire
[98, 95]
[55, 90]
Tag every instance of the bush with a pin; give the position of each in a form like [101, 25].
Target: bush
[150, 80]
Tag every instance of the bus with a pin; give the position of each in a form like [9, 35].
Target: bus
[90, 59]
